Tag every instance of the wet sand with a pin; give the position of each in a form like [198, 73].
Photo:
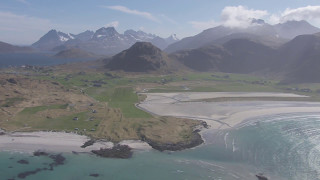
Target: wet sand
[221, 115]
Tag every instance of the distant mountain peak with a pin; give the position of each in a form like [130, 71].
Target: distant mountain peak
[52, 39]
[173, 37]
[293, 28]
[139, 35]
[258, 21]
[105, 40]
[107, 31]
[53, 31]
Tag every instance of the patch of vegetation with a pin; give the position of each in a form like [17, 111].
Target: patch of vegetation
[33, 110]
[68, 123]
[11, 101]
[125, 99]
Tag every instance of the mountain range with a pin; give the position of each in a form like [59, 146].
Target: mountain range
[290, 50]
[259, 31]
[106, 41]
[296, 61]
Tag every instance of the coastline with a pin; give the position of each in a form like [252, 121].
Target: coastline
[57, 142]
[222, 115]
[216, 115]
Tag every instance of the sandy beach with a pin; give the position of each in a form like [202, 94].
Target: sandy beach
[221, 115]
[56, 142]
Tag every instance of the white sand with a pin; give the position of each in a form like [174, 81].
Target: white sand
[55, 142]
[217, 114]
[222, 114]
[189, 96]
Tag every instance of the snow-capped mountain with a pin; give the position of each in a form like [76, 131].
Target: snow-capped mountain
[105, 40]
[139, 35]
[107, 35]
[52, 39]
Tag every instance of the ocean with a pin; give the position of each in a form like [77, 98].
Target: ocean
[285, 146]
[34, 59]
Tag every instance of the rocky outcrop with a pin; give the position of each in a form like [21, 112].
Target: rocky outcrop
[118, 151]
[194, 141]
[88, 143]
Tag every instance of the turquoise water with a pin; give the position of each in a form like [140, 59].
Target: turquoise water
[281, 147]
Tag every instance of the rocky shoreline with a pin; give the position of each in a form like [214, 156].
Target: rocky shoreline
[2, 132]
[194, 141]
[117, 151]
[123, 150]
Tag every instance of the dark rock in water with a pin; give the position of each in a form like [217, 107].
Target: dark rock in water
[58, 160]
[12, 81]
[204, 124]
[11, 179]
[260, 176]
[22, 161]
[94, 175]
[28, 173]
[88, 143]
[2, 133]
[40, 153]
[196, 140]
[10, 167]
[118, 151]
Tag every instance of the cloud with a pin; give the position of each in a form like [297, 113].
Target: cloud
[113, 24]
[310, 13]
[141, 28]
[134, 12]
[233, 17]
[240, 16]
[201, 25]
[170, 20]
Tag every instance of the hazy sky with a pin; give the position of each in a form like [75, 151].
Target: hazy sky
[25, 21]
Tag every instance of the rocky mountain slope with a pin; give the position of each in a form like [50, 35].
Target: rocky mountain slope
[141, 57]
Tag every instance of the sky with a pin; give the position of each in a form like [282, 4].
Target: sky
[22, 22]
